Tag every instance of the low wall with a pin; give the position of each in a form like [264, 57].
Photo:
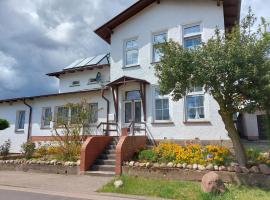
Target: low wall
[126, 148]
[91, 149]
[251, 179]
[52, 169]
[52, 138]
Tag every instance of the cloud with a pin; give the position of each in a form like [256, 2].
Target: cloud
[41, 36]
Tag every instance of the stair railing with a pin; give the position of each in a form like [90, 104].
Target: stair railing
[106, 127]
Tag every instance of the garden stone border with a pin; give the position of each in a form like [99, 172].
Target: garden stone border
[174, 173]
[51, 167]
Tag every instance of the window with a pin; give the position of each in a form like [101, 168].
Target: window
[75, 83]
[93, 108]
[20, 120]
[131, 52]
[62, 115]
[195, 103]
[74, 115]
[46, 117]
[158, 39]
[133, 95]
[192, 36]
[162, 111]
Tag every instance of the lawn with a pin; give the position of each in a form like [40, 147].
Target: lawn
[181, 190]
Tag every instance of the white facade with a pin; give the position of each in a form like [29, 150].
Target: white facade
[169, 16]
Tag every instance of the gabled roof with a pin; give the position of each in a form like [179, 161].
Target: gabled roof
[89, 63]
[231, 16]
[126, 79]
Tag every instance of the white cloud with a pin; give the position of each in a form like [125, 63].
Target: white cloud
[9, 77]
[61, 33]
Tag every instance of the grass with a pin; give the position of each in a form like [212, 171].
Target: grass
[183, 190]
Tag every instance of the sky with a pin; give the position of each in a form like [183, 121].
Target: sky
[42, 36]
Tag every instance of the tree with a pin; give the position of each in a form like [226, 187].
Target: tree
[233, 68]
[68, 130]
[4, 124]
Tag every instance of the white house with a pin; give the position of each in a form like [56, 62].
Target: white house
[121, 85]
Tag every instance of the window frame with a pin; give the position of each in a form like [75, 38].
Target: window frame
[125, 65]
[43, 126]
[154, 43]
[162, 97]
[96, 121]
[191, 35]
[205, 106]
[17, 128]
[75, 85]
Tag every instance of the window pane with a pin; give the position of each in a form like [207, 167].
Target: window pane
[192, 42]
[138, 112]
[47, 117]
[131, 44]
[166, 115]
[132, 57]
[62, 115]
[192, 29]
[21, 119]
[93, 112]
[165, 103]
[128, 117]
[158, 104]
[133, 95]
[160, 38]
[195, 107]
[158, 114]
[75, 115]
[196, 89]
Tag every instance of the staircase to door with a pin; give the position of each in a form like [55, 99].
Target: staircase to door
[105, 163]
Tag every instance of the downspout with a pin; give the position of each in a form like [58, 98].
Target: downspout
[29, 120]
[108, 110]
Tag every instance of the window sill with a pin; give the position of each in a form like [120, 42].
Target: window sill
[163, 122]
[19, 131]
[130, 66]
[155, 62]
[45, 128]
[197, 121]
[74, 85]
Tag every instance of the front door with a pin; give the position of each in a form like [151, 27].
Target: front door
[133, 111]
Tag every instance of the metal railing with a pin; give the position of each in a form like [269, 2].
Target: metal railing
[107, 127]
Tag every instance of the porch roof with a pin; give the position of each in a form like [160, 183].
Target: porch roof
[126, 79]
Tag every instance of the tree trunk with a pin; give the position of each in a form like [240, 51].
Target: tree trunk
[239, 149]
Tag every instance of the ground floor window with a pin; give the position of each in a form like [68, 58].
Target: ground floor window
[93, 118]
[46, 117]
[62, 115]
[162, 110]
[195, 107]
[20, 120]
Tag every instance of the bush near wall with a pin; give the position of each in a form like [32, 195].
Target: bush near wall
[191, 154]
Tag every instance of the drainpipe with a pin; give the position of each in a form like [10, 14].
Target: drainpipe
[108, 110]
[29, 120]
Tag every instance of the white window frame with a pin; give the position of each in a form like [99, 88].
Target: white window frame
[43, 126]
[191, 35]
[154, 43]
[205, 106]
[130, 49]
[17, 128]
[155, 97]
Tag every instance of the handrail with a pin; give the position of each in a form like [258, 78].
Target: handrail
[107, 128]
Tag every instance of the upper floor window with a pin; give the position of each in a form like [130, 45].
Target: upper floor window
[46, 117]
[75, 83]
[192, 35]
[195, 103]
[20, 120]
[158, 39]
[131, 52]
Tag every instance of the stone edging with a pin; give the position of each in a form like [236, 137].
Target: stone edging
[252, 179]
[53, 167]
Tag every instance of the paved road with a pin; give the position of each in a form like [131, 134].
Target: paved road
[18, 195]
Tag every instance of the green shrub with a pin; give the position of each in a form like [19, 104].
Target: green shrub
[147, 155]
[4, 148]
[3, 124]
[28, 149]
[253, 154]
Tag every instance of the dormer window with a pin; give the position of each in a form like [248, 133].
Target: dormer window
[75, 83]
[131, 52]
